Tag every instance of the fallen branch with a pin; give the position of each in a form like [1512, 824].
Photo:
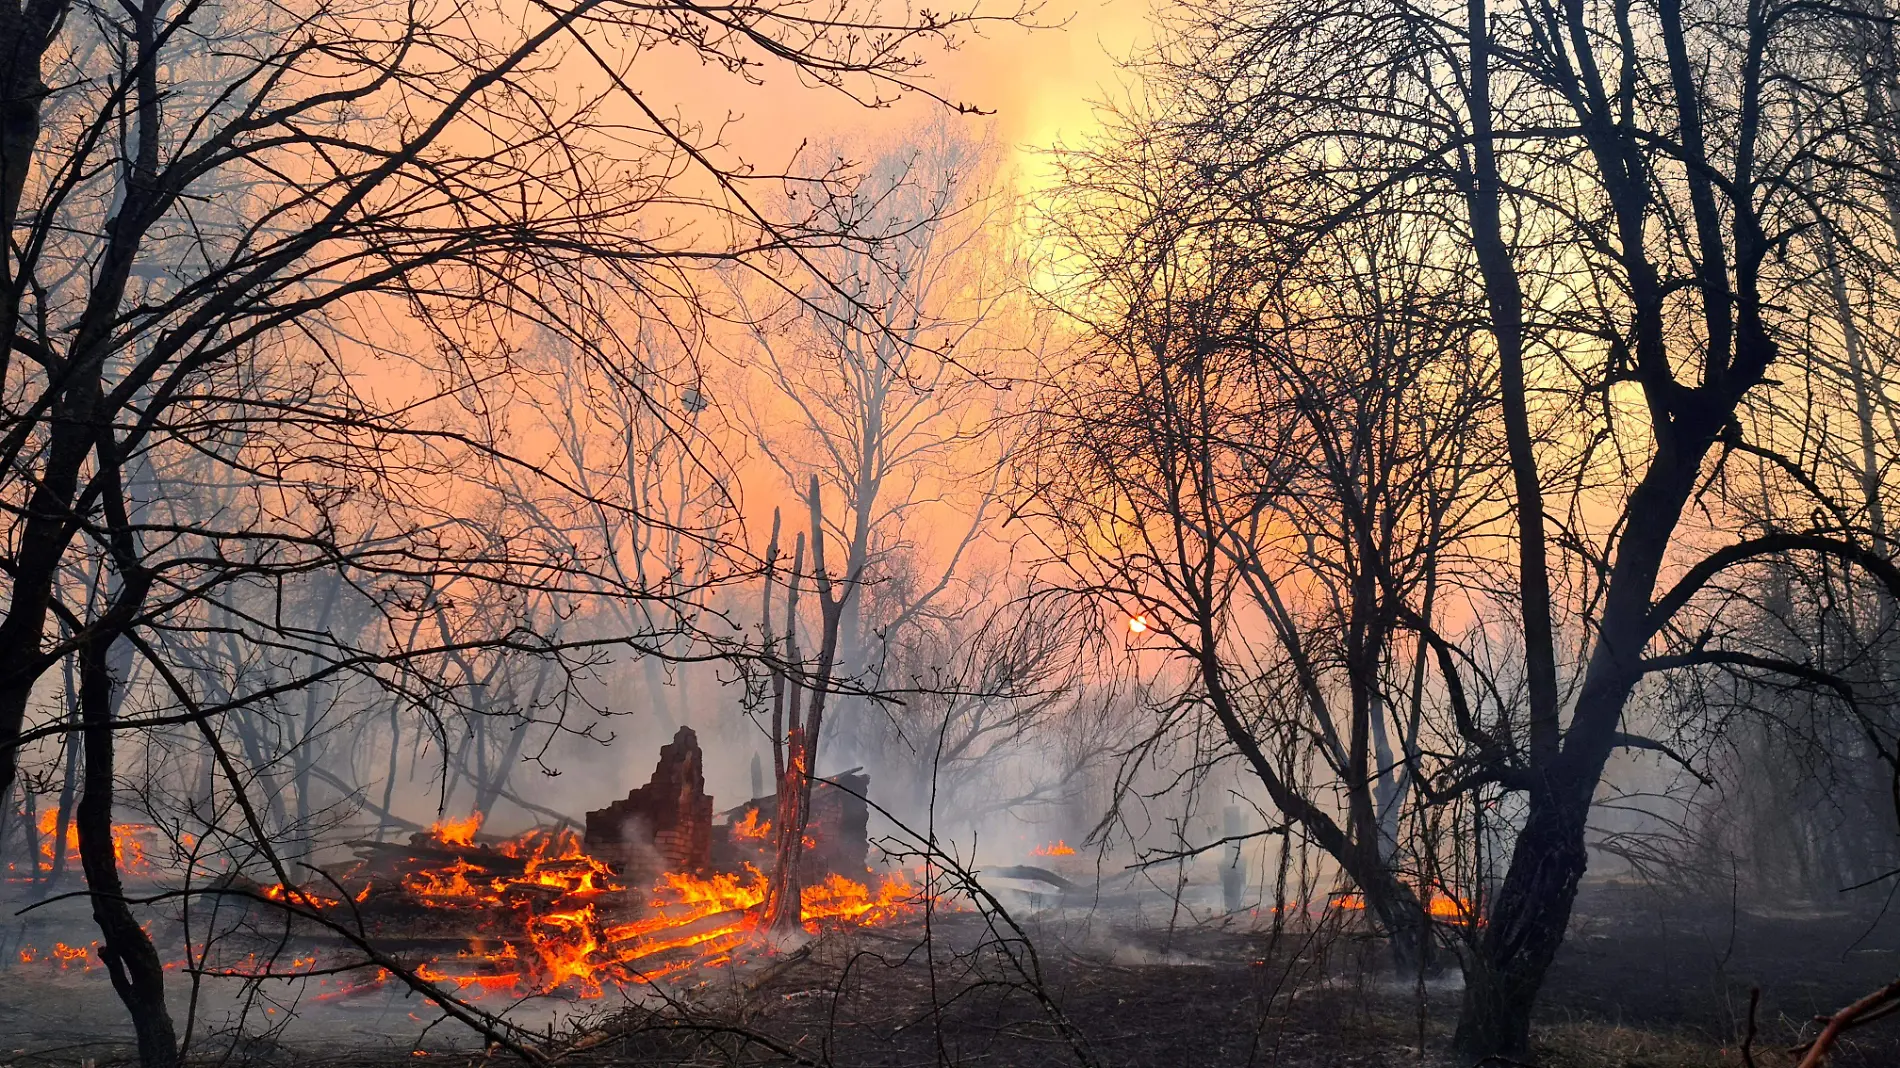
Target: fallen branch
[1880, 1003]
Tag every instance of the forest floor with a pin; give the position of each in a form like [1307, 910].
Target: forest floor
[1647, 979]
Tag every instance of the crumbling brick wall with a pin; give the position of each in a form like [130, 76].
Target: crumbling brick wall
[665, 825]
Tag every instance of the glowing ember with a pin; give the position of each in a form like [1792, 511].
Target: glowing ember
[62, 956]
[1059, 848]
[301, 896]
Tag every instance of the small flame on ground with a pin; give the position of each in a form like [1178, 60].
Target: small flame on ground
[1058, 848]
[61, 955]
[1441, 906]
[128, 847]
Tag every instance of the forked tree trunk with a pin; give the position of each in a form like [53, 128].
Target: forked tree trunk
[1531, 910]
[131, 962]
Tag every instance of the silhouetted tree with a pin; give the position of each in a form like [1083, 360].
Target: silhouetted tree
[1634, 192]
[302, 245]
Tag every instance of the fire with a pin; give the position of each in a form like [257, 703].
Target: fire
[457, 832]
[128, 844]
[1440, 906]
[839, 898]
[754, 829]
[62, 956]
[1058, 848]
[556, 920]
[301, 896]
[540, 916]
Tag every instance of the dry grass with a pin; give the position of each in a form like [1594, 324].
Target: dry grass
[1586, 1044]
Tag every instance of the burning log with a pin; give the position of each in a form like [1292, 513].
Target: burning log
[663, 826]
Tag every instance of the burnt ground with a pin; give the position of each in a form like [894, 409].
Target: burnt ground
[1647, 980]
[1647, 959]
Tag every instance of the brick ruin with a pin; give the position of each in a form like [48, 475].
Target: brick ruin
[667, 825]
[838, 831]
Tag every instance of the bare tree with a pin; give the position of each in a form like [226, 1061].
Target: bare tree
[648, 448]
[220, 222]
[1632, 187]
[888, 388]
[1266, 471]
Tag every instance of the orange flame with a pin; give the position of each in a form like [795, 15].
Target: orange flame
[1441, 905]
[128, 845]
[61, 956]
[547, 917]
[1059, 848]
[566, 923]
[457, 832]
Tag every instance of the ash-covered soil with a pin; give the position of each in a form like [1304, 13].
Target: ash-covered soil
[1647, 980]
[1654, 960]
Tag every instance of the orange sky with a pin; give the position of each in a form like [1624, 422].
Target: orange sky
[1039, 83]
[1042, 84]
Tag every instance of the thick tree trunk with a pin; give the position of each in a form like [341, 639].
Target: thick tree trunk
[42, 542]
[131, 961]
[1408, 932]
[1531, 910]
[1526, 926]
[1400, 916]
[26, 28]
